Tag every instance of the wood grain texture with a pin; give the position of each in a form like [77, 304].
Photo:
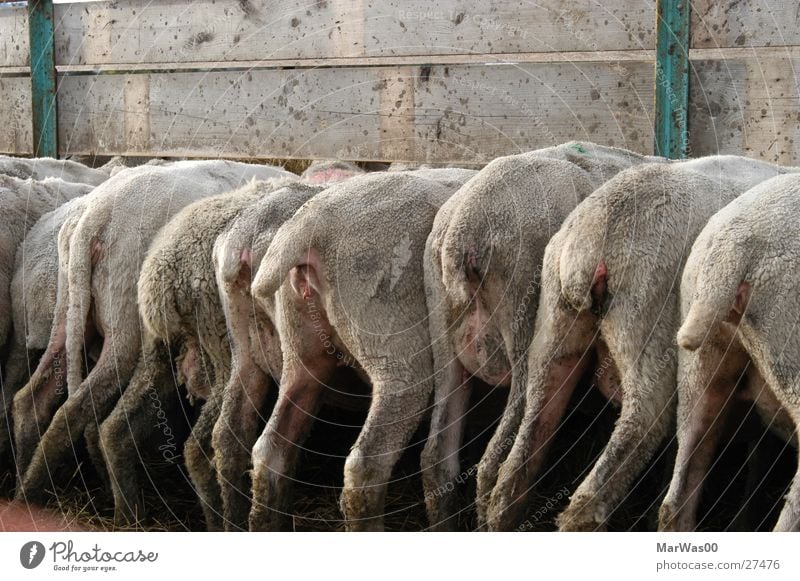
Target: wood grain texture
[132, 31]
[14, 45]
[439, 113]
[15, 115]
[747, 107]
[741, 23]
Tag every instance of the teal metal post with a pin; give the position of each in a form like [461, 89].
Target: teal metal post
[672, 78]
[43, 78]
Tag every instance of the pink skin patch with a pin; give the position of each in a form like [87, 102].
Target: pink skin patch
[599, 286]
[739, 302]
[97, 251]
[481, 347]
[331, 175]
[304, 278]
[472, 258]
[190, 370]
[245, 258]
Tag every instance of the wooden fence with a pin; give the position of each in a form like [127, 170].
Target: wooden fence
[412, 80]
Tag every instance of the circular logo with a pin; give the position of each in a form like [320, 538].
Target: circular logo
[31, 554]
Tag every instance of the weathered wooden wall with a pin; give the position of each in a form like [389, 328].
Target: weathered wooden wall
[399, 79]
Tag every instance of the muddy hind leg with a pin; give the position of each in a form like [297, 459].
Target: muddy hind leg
[35, 404]
[243, 398]
[544, 409]
[199, 457]
[234, 435]
[440, 458]
[501, 442]
[276, 451]
[400, 396]
[93, 401]
[706, 382]
[13, 378]
[789, 520]
[557, 358]
[647, 369]
[139, 412]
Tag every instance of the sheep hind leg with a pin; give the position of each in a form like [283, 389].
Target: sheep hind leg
[648, 388]
[789, 519]
[93, 400]
[35, 404]
[136, 415]
[544, 410]
[199, 456]
[440, 458]
[13, 379]
[276, 451]
[234, 435]
[398, 405]
[705, 393]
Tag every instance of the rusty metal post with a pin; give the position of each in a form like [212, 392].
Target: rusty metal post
[43, 78]
[672, 78]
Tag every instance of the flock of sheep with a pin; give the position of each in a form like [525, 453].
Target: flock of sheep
[673, 282]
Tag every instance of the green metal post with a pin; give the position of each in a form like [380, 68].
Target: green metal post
[672, 78]
[43, 78]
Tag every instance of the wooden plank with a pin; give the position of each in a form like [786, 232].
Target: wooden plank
[479, 113]
[132, 32]
[14, 47]
[743, 23]
[15, 116]
[746, 106]
[439, 113]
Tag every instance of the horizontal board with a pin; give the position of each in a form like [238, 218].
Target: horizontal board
[15, 115]
[439, 113]
[135, 32]
[14, 46]
[214, 32]
[746, 106]
[740, 23]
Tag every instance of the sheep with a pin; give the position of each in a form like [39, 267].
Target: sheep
[739, 304]
[37, 401]
[329, 171]
[22, 203]
[179, 304]
[609, 286]
[106, 252]
[355, 297]
[34, 287]
[33, 296]
[482, 266]
[45, 167]
[256, 348]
